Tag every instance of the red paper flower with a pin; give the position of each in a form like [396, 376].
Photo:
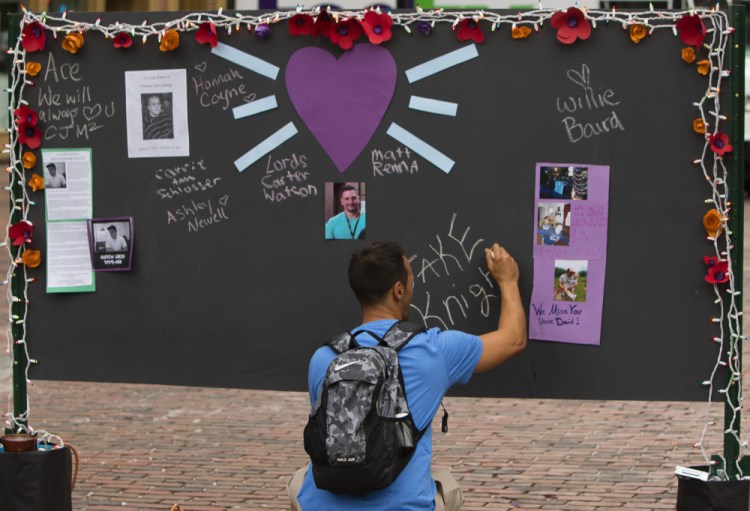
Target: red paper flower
[26, 114]
[571, 25]
[29, 135]
[718, 270]
[206, 34]
[301, 24]
[323, 25]
[469, 29]
[123, 40]
[21, 232]
[377, 26]
[691, 30]
[345, 32]
[720, 143]
[33, 37]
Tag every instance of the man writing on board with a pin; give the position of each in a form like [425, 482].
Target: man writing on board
[350, 223]
[431, 362]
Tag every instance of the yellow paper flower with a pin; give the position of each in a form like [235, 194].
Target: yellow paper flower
[637, 32]
[170, 41]
[36, 182]
[688, 55]
[520, 32]
[33, 68]
[31, 258]
[703, 66]
[699, 126]
[712, 223]
[72, 42]
[28, 160]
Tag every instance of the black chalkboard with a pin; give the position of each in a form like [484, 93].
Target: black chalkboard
[242, 298]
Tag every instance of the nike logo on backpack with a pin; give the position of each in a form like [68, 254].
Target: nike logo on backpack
[341, 366]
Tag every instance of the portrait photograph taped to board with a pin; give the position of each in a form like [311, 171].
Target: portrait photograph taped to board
[111, 243]
[156, 113]
[345, 211]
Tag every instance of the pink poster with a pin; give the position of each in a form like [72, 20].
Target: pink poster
[571, 206]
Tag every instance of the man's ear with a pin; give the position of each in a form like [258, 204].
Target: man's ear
[398, 290]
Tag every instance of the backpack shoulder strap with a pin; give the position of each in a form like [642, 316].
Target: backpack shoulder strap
[341, 342]
[401, 333]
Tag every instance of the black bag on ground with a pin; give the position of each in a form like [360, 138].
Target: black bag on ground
[360, 433]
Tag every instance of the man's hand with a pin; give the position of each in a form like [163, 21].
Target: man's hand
[501, 264]
[510, 337]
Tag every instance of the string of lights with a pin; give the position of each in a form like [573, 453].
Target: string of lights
[717, 31]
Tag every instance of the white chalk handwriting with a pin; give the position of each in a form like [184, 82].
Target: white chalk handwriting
[452, 254]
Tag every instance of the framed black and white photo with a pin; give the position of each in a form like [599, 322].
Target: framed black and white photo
[111, 243]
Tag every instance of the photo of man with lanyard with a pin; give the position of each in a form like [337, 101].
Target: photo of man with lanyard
[350, 223]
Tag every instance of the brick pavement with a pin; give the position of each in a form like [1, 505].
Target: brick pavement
[146, 447]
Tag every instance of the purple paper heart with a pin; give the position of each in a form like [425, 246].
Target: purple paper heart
[341, 101]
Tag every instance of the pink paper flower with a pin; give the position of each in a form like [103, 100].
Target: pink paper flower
[377, 26]
[21, 232]
[33, 37]
[720, 143]
[29, 135]
[122, 40]
[468, 29]
[571, 25]
[345, 32]
[301, 24]
[691, 30]
[206, 34]
[24, 113]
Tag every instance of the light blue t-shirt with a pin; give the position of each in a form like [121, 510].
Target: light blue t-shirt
[340, 227]
[431, 363]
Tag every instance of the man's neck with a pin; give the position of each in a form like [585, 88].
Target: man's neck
[352, 215]
[378, 312]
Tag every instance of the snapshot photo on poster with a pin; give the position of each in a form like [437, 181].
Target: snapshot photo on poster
[111, 243]
[67, 184]
[345, 211]
[571, 209]
[156, 113]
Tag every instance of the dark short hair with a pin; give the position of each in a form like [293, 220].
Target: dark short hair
[374, 269]
[347, 188]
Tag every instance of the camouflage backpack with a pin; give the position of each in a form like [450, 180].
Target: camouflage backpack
[360, 433]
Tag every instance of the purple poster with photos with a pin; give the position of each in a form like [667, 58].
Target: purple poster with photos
[571, 207]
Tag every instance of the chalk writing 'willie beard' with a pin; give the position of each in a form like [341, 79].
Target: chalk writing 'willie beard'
[589, 101]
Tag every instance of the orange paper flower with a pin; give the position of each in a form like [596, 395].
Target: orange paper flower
[520, 32]
[36, 182]
[699, 126]
[688, 55]
[170, 41]
[33, 68]
[72, 42]
[637, 33]
[703, 66]
[28, 160]
[31, 258]
[712, 223]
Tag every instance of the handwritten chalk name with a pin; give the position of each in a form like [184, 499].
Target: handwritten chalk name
[588, 101]
[182, 180]
[73, 114]
[198, 215]
[220, 90]
[398, 161]
[450, 256]
[286, 178]
[558, 314]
